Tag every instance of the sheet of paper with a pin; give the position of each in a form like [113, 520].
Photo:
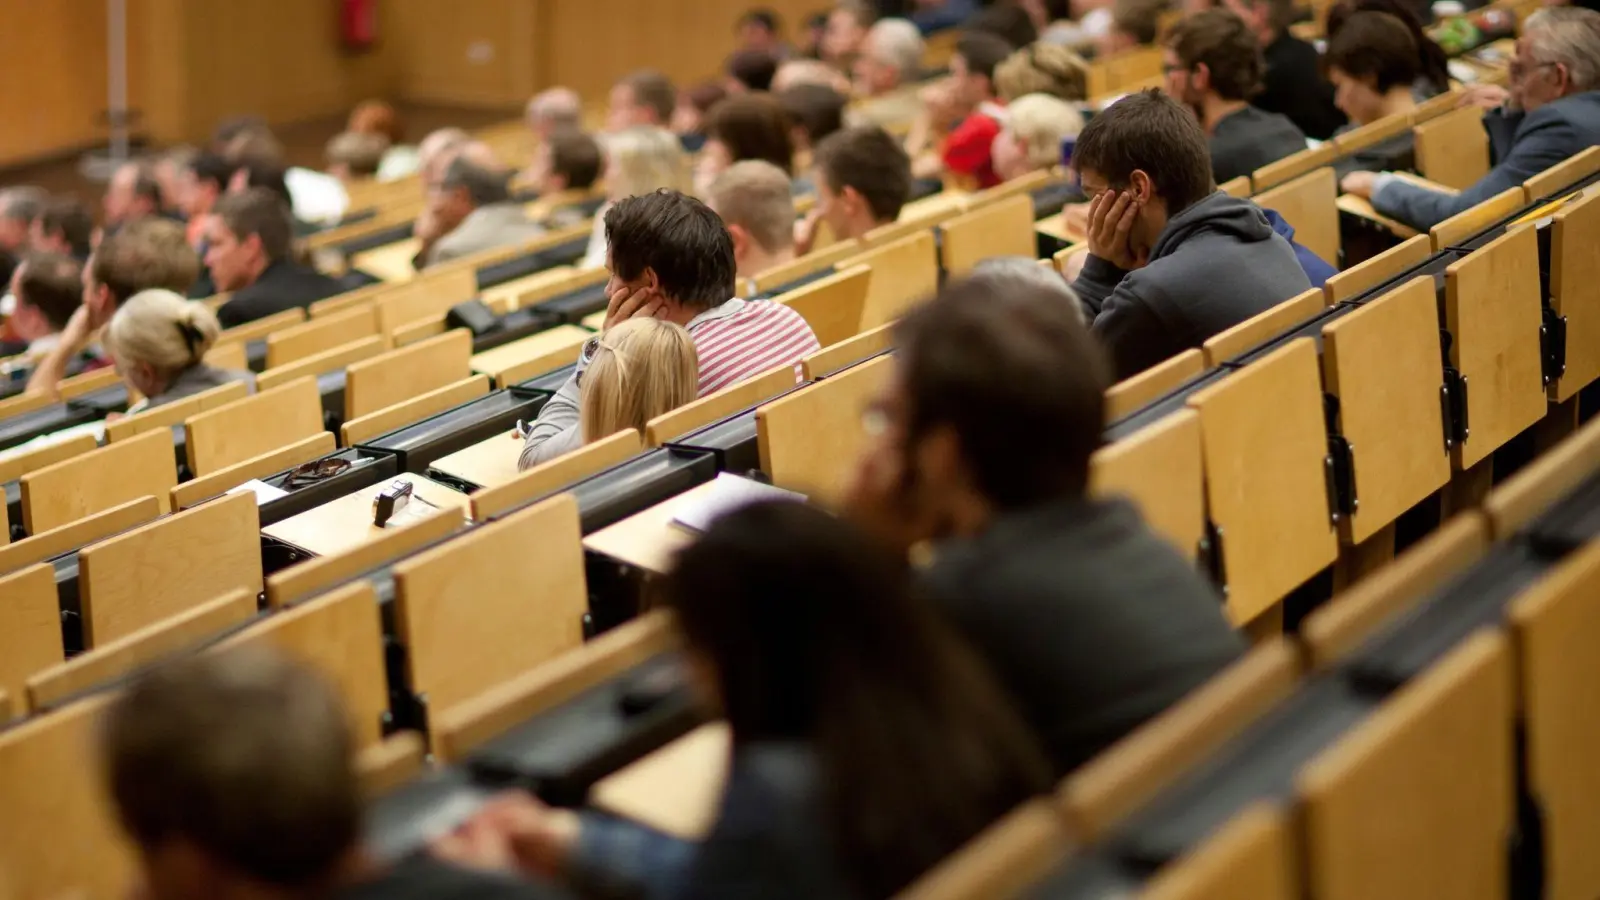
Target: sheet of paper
[265, 493]
[728, 493]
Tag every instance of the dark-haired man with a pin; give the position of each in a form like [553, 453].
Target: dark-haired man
[761, 29]
[250, 252]
[965, 151]
[1172, 260]
[981, 444]
[234, 775]
[563, 171]
[133, 193]
[646, 97]
[48, 288]
[472, 205]
[64, 226]
[672, 258]
[1214, 66]
[863, 178]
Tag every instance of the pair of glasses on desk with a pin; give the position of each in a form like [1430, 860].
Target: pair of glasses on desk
[317, 470]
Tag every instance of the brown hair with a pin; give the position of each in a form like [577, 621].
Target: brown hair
[642, 368]
[1140, 19]
[53, 284]
[753, 126]
[144, 254]
[243, 754]
[868, 159]
[1151, 132]
[1227, 47]
[68, 217]
[362, 152]
[377, 117]
[1042, 69]
[755, 196]
[653, 89]
[261, 212]
[576, 157]
[1374, 45]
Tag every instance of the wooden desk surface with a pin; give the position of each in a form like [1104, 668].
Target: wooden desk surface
[1361, 207]
[676, 789]
[346, 523]
[493, 362]
[648, 539]
[391, 262]
[1056, 227]
[490, 463]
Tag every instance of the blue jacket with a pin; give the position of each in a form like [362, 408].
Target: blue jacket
[1313, 265]
[1522, 145]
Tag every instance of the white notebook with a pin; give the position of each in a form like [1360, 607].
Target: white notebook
[728, 493]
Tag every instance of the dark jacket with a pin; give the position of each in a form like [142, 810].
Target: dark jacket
[1294, 87]
[1216, 264]
[283, 285]
[422, 878]
[1317, 270]
[1092, 622]
[1250, 138]
[1521, 144]
[1393, 154]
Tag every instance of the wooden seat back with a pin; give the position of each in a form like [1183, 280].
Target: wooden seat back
[1308, 204]
[1453, 148]
[1002, 228]
[719, 405]
[313, 576]
[425, 298]
[809, 440]
[260, 328]
[1291, 167]
[204, 488]
[1474, 219]
[1535, 487]
[1433, 765]
[1251, 855]
[319, 335]
[30, 627]
[243, 429]
[832, 306]
[800, 267]
[1130, 394]
[338, 634]
[847, 353]
[532, 356]
[169, 414]
[552, 475]
[17, 465]
[1373, 271]
[78, 385]
[904, 273]
[407, 412]
[98, 480]
[1575, 288]
[78, 533]
[1158, 469]
[1259, 328]
[142, 576]
[1492, 314]
[523, 578]
[1562, 175]
[1002, 862]
[1264, 438]
[1383, 362]
[399, 375]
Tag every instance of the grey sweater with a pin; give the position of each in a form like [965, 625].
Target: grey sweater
[1216, 264]
[1250, 138]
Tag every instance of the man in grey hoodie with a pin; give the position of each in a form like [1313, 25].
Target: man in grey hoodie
[1172, 260]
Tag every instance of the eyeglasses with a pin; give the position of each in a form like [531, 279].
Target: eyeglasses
[315, 471]
[1519, 71]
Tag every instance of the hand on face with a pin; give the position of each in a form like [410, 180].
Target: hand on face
[514, 832]
[1484, 96]
[1111, 218]
[626, 302]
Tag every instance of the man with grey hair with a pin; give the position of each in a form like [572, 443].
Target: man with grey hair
[1550, 112]
[19, 206]
[472, 207]
[1020, 271]
[557, 109]
[890, 56]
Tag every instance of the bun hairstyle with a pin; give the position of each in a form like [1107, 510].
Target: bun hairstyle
[163, 330]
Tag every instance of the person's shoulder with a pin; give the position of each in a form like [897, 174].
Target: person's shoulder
[1578, 110]
[424, 877]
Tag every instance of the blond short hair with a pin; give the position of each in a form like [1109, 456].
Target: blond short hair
[643, 368]
[359, 151]
[1039, 122]
[1042, 69]
[755, 195]
[162, 330]
[643, 159]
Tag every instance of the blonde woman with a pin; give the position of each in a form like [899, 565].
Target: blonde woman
[641, 368]
[638, 160]
[1031, 140]
[159, 341]
[1042, 68]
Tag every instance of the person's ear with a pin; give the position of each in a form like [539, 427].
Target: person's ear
[1140, 185]
[651, 281]
[741, 240]
[253, 242]
[854, 203]
[939, 461]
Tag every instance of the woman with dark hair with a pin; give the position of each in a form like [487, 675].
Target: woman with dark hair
[1372, 63]
[747, 126]
[868, 743]
[1433, 76]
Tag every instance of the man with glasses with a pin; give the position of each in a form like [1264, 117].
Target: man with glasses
[1550, 112]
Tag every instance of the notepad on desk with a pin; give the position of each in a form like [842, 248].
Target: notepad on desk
[728, 493]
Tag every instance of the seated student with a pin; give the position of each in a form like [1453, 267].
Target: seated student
[473, 207]
[263, 172]
[1009, 22]
[965, 150]
[159, 341]
[233, 774]
[1003, 273]
[750, 70]
[379, 118]
[983, 437]
[1213, 66]
[640, 369]
[1433, 73]
[638, 161]
[356, 155]
[642, 98]
[746, 127]
[815, 111]
[65, 227]
[671, 258]
[863, 178]
[1551, 112]
[868, 743]
[937, 15]
[1134, 24]
[689, 115]
[761, 29]
[1172, 260]
[200, 185]
[19, 207]
[845, 32]
[1043, 69]
[48, 288]
[132, 194]
[1372, 63]
[568, 161]
[148, 253]
[754, 201]
[809, 71]
[1292, 84]
[1036, 125]
[890, 58]
[553, 110]
[250, 253]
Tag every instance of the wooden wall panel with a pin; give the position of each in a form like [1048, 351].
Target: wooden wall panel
[53, 83]
[479, 53]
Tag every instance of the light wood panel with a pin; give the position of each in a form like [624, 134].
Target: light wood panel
[98, 480]
[30, 627]
[1370, 273]
[54, 84]
[243, 429]
[345, 524]
[904, 273]
[322, 363]
[719, 405]
[829, 360]
[1158, 468]
[1575, 289]
[323, 334]
[16, 465]
[525, 486]
[531, 356]
[832, 306]
[170, 414]
[416, 409]
[1253, 855]
[810, 439]
[1004, 228]
[1256, 330]
[322, 573]
[195, 490]
[1128, 395]
[1308, 205]
[401, 374]
[1453, 149]
[57, 541]
[676, 789]
[1003, 861]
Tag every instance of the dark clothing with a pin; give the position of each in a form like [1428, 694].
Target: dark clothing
[1395, 154]
[424, 878]
[1092, 622]
[1250, 138]
[1216, 264]
[282, 286]
[1317, 270]
[199, 377]
[1294, 86]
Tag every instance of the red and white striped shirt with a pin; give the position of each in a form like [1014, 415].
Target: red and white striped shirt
[742, 338]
